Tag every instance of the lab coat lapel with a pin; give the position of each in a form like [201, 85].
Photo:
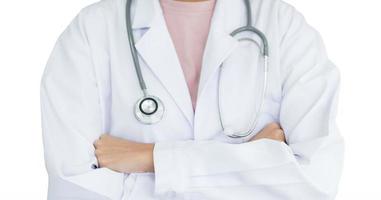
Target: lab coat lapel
[219, 46]
[158, 52]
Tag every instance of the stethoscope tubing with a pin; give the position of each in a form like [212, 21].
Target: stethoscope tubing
[255, 117]
[133, 50]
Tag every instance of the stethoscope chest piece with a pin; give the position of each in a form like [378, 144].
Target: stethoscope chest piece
[149, 109]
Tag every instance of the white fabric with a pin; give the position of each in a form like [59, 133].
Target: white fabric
[89, 88]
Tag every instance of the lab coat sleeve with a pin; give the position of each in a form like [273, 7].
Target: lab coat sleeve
[309, 167]
[71, 122]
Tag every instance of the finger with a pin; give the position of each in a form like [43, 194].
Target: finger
[279, 135]
[102, 161]
[98, 152]
[97, 143]
[103, 136]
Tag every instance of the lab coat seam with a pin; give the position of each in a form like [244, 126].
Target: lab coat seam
[97, 77]
[297, 24]
[97, 9]
[290, 20]
[58, 115]
[327, 93]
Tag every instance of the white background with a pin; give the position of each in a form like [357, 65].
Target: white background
[28, 30]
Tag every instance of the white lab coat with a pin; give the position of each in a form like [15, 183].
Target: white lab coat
[89, 88]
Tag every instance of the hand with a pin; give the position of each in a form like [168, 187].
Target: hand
[271, 131]
[123, 155]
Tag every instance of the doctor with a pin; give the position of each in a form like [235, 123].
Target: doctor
[206, 85]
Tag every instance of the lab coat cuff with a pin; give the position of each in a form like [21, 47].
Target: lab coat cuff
[170, 168]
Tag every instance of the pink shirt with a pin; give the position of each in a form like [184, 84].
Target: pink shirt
[188, 24]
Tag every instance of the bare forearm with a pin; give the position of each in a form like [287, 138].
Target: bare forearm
[126, 156]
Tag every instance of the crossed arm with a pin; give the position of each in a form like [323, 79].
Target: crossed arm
[126, 156]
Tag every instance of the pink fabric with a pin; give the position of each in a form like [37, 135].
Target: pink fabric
[188, 24]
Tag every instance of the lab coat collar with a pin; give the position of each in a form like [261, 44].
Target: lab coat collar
[157, 50]
[144, 12]
[219, 46]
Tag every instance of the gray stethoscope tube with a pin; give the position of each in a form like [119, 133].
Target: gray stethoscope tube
[265, 53]
[149, 109]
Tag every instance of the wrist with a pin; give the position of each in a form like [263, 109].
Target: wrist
[148, 158]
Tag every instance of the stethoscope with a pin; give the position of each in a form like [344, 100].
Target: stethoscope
[149, 109]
